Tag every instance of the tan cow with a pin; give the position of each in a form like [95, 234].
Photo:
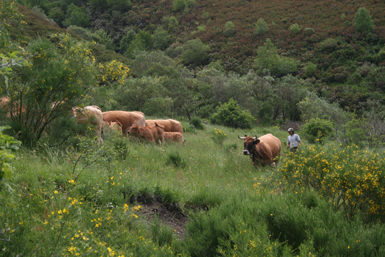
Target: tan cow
[169, 125]
[173, 137]
[92, 115]
[113, 125]
[153, 133]
[263, 150]
[126, 119]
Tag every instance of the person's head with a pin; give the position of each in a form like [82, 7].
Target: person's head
[291, 131]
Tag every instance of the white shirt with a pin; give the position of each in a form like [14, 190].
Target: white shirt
[293, 140]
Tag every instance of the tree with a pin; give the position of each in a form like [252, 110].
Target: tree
[229, 28]
[126, 41]
[261, 27]
[363, 21]
[161, 39]
[76, 16]
[178, 5]
[195, 53]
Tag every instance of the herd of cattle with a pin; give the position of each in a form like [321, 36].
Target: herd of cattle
[263, 150]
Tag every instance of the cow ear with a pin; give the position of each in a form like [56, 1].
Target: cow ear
[256, 141]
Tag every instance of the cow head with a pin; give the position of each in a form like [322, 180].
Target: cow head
[134, 129]
[249, 145]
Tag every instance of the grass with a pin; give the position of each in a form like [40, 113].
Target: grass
[51, 206]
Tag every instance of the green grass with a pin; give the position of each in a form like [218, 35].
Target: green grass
[52, 207]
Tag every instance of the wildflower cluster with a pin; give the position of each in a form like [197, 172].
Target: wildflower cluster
[218, 136]
[113, 71]
[352, 179]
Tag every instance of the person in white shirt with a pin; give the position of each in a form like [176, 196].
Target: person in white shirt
[293, 140]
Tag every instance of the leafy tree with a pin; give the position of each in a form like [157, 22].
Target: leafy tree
[178, 5]
[170, 23]
[63, 75]
[295, 28]
[120, 5]
[126, 41]
[261, 27]
[76, 16]
[230, 114]
[57, 14]
[269, 60]
[363, 21]
[99, 5]
[229, 28]
[195, 53]
[161, 39]
[318, 130]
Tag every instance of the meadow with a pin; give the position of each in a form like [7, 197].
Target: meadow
[201, 198]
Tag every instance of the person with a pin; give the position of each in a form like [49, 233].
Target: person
[293, 140]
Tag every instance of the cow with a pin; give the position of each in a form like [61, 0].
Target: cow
[169, 125]
[113, 125]
[126, 119]
[153, 133]
[173, 137]
[92, 115]
[263, 150]
[11, 109]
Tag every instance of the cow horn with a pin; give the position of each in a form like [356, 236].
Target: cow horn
[243, 138]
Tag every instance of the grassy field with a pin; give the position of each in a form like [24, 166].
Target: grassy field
[126, 198]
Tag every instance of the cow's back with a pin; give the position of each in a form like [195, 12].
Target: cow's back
[164, 123]
[173, 137]
[273, 143]
[126, 119]
[176, 126]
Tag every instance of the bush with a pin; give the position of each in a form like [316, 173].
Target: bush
[261, 27]
[195, 53]
[218, 136]
[363, 21]
[230, 114]
[197, 123]
[309, 31]
[295, 28]
[229, 28]
[178, 5]
[317, 130]
[176, 160]
[310, 69]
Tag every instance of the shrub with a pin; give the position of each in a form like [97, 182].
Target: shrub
[7, 144]
[328, 44]
[318, 130]
[230, 114]
[261, 27]
[218, 136]
[295, 28]
[310, 69]
[178, 5]
[229, 28]
[176, 160]
[201, 28]
[197, 123]
[309, 31]
[195, 53]
[363, 21]
[170, 23]
[191, 3]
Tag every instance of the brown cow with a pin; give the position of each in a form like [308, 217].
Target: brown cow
[126, 119]
[91, 114]
[152, 133]
[169, 125]
[113, 125]
[173, 137]
[11, 109]
[263, 150]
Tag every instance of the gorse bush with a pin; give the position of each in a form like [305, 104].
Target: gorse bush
[351, 179]
[197, 123]
[7, 145]
[317, 130]
[218, 136]
[230, 114]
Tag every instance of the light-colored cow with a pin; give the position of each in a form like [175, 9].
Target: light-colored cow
[169, 125]
[153, 133]
[173, 137]
[92, 115]
[126, 119]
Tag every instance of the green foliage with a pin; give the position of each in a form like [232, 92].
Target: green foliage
[197, 123]
[191, 3]
[178, 5]
[229, 28]
[269, 60]
[295, 28]
[201, 28]
[126, 41]
[195, 53]
[161, 233]
[175, 159]
[309, 31]
[310, 69]
[57, 14]
[120, 5]
[218, 136]
[76, 16]
[355, 132]
[230, 114]
[7, 144]
[56, 76]
[161, 38]
[317, 130]
[363, 21]
[261, 27]
[170, 23]
[328, 44]
[99, 36]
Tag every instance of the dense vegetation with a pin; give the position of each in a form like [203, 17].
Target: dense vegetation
[242, 67]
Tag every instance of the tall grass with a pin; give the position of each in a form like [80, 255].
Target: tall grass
[89, 201]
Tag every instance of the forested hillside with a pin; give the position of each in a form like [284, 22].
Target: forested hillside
[280, 61]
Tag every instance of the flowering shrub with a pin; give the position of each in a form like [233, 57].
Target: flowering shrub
[352, 179]
[218, 136]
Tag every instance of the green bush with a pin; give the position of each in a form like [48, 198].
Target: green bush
[295, 28]
[178, 5]
[175, 159]
[195, 53]
[7, 144]
[363, 21]
[229, 28]
[197, 123]
[261, 27]
[309, 31]
[230, 114]
[318, 130]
